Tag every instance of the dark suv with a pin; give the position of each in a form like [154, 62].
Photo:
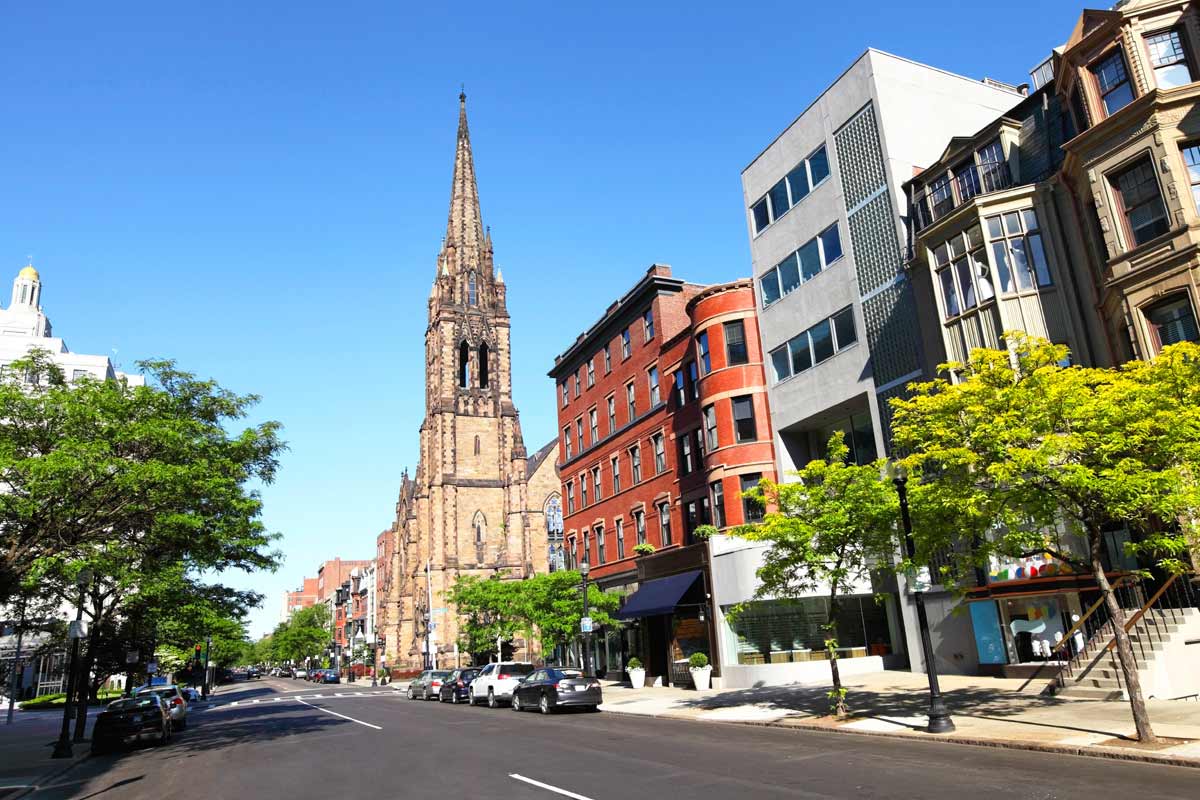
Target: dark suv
[457, 686]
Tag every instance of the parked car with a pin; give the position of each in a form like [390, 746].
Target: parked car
[300, 673]
[253, 674]
[457, 686]
[494, 683]
[176, 702]
[329, 676]
[191, 695]
[131, 719]
[549, 688]
[427, 685]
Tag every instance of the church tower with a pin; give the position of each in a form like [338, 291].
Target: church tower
[466, 510]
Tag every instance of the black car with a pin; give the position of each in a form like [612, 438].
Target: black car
[131, 719]
[457, 686]
[549, 688]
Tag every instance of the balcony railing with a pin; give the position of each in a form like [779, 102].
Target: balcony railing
[939, 198]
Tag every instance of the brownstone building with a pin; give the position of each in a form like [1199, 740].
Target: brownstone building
[664, 422]
[476, 504]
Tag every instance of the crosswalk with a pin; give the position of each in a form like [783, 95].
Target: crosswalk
[318, 696]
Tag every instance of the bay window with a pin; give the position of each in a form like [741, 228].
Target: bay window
[1140, 201]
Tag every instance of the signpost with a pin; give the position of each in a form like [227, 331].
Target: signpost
[585, 625]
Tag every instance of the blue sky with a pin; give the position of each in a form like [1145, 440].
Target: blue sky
[259, 190]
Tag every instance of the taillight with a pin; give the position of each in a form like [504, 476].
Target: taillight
[178, 701]
[460, 683]
[503, 677]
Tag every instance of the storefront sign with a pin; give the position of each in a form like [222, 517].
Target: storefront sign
[989, 639]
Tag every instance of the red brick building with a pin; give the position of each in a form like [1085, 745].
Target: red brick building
[663, 421]
[303, 597]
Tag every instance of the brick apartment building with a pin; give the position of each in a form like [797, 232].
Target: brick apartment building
[663, 422]
[303, 597]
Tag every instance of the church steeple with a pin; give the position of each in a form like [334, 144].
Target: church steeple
[464, 227]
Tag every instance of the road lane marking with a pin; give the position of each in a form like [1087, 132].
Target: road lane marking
[343, 716]
[547, 787]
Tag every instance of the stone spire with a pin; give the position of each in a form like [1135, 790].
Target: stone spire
[464, 228]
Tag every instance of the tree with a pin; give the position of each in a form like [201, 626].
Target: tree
[305, 635]
[831, 528]
[552, 604]
[1036, 457]
[489, 609]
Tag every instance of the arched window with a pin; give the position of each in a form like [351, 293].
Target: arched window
[472, 295]
[464, 365]
[479, 525]
[476, 445]
[483, 365]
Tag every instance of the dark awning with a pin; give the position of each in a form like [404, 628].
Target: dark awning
[658, 596]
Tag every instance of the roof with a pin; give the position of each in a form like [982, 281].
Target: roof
[541, 455]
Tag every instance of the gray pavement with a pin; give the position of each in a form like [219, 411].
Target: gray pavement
[357, 741]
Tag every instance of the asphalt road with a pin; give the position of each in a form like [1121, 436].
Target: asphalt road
[273, 739]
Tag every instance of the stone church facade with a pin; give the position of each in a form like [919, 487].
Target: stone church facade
[478, 503]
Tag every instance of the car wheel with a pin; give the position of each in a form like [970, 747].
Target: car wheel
[454, 698]
[491, 699]
[411, 694]
[516, 702]
[544, 705]
[470, 699]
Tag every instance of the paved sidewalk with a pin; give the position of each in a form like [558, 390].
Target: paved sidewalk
[987, 711]
[25, 748]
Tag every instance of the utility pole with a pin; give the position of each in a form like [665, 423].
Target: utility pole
[430, 662]
[207, 648]
[62, 748]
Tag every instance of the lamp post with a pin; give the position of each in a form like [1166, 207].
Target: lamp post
[939, 717]
[584, 569]
[62, 748]
[374, 655]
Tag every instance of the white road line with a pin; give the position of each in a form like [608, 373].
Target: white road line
[547, 787]
[352, 719]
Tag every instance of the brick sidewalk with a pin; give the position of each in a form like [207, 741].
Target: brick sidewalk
[987, 711]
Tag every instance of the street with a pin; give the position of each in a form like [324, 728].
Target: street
[288, 739]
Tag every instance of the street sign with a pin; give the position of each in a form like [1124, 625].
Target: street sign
[78, 629]
[152, 667]
[440, 610]
[132, 657]
[585, 625]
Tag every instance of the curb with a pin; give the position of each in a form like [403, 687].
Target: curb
[1002, 744]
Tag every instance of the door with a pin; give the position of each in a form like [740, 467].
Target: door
[658, 635]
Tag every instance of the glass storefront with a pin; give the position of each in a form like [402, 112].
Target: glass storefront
[783, 631]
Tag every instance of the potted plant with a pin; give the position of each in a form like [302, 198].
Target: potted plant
[701, 671]
[644, 549]
[637, 674]
[704, 532]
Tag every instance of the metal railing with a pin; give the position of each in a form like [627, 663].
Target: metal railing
[939, 198]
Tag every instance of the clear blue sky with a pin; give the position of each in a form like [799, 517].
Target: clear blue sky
[259, 190]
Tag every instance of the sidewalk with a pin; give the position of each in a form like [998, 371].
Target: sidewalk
[25, 748]
[986, 711]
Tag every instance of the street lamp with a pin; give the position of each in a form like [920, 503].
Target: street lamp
[62, 748]
[584, 569]
[939, 717]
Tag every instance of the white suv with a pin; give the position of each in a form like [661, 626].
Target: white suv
[494, 683]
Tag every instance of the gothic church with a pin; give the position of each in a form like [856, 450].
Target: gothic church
[478, 503]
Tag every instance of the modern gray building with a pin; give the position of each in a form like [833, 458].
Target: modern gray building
[826, 214]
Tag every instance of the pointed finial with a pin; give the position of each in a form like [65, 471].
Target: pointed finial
[499, 275]
[462, 93]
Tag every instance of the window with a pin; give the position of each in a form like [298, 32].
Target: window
[1043, 74]
[612, 415]
[579, 433]
[1078, 110]
[639, 526]
[571, 561]
[1172, 321]
[702, 350]
[735, 343]
[752, 510]
[464, 365]
[591, 373]
[660, 453]
[1017, 254]
[693, 379]
[583, 490]
[625, 343]
[570, 497]
[472, 296]
[593, 425]
[1141, 202]
[699, 436]
[630, 401]
[804, 264]
[616, 474]
[821, 341]
[600, 549]
[963, 273]
[743, 419]
[648, 324]
[607, 359]
[596, 485]
[565, 395]
[717, 495]
[1191, 155]
[635, 463]
[1168, 59]
[794, 187]
[993, 170]
[680, 387]
[686, 465]
[664, 523]
[762, 215]
[575, 382]
[483, 366]
[652, 376]
[620, 538]
[80, 374]
[710, 428]
[1113, 82]
[567, 443]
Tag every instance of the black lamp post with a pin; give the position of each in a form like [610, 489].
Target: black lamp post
[939, 717]
[584, 569]
[62, 748]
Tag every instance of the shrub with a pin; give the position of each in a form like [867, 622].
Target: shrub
[634, 663]
[643, 549]
[698, 661]
[704, 532]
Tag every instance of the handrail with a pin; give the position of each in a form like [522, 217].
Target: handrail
[1142, 611]
[1091, 610]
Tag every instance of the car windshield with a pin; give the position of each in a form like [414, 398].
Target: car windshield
[131, 703]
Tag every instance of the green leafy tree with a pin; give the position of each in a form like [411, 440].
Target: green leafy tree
[489, 610]
[1021, 455]
[305, 635]
[552, 605]
[831, 527]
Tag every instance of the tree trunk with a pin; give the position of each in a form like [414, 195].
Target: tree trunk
[1129, 668]
[837, 698]
[84, 681]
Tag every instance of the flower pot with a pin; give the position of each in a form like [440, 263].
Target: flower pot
[637, 678]
[701, 677]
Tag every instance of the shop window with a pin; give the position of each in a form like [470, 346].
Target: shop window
[1140, 201]
[782, 631]
[1172, 321]
[1168, 59]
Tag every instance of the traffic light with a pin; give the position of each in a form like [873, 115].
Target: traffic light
[198, 654]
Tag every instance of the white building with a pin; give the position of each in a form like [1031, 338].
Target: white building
[24, 327]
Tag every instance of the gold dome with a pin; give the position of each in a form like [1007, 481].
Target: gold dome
[29, 272]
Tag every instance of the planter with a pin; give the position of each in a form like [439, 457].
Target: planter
[637, 678]
[701, 677]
